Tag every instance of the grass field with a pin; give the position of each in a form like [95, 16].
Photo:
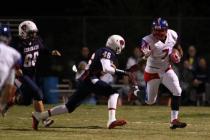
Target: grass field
[89, 123]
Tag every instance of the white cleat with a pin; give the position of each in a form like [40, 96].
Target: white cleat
[35, 120]
[47, 122]
[37, 116]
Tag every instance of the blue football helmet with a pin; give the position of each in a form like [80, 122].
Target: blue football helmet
[159, 24]
[159, 28]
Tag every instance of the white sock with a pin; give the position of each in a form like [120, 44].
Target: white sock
[57, 110]
[174, 114]
[112, 115]
[61, 109]
[112, 105]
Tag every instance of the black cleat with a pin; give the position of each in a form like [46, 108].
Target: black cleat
[177, 124]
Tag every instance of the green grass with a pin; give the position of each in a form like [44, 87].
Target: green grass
[89, 123]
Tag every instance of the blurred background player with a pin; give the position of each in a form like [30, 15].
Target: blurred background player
[10, 58]
[160, 48]
[30, 45]
[134, 59]
[102, 61]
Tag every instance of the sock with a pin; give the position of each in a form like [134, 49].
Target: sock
[112, 105]
[112, 115]
[175, 101]
[174, 114]
[61, 109]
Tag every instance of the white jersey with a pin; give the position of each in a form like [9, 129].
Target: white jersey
[8, 58]
[158, 61]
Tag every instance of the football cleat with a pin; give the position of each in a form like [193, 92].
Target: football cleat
[35, 120]
[35, 123]
[4, 108]
[117, 123]
[47, 122]
[177, 124]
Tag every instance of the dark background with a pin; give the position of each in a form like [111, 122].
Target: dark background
[70, 26]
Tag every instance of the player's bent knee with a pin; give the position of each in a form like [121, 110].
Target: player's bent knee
[150, 102]
[178, 92]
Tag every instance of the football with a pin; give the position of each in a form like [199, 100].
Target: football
[175, 56]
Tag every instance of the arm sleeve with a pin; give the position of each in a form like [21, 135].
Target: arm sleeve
[106, 65]
[107, 68]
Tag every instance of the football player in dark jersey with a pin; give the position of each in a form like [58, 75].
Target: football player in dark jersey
[30, 45]
[104, 60]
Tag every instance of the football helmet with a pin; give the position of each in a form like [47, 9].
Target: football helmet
[27, 29]
[159, 28]
[116, 43]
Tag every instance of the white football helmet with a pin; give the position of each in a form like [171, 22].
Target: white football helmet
[116, 43]
[25, 27]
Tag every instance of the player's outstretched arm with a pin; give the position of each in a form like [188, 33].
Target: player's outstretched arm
[108, 67]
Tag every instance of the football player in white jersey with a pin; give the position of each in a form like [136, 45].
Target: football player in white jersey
[9, 59]
[161, 48]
